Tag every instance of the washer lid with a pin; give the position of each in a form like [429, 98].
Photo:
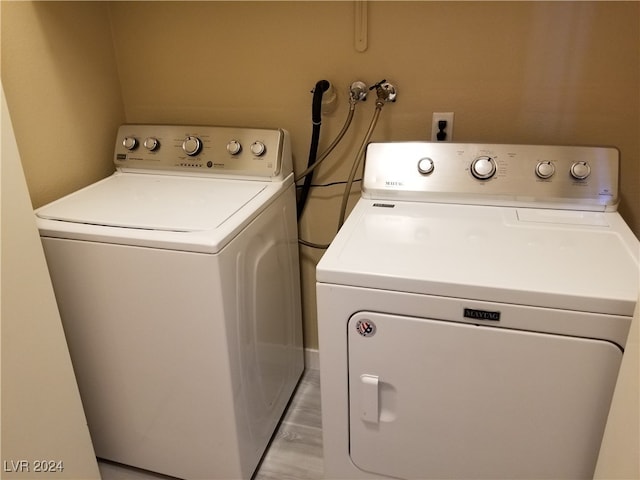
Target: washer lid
[155, 202]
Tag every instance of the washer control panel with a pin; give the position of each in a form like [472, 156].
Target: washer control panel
[246, 152]
[571, 177]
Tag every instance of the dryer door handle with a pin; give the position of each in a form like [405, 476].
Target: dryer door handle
[369, 394]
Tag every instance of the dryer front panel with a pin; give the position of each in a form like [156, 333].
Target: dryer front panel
[436, 399]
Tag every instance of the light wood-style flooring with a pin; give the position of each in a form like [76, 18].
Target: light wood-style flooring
[295, 452]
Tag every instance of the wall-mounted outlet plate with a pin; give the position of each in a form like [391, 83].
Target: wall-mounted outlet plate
[446, 133]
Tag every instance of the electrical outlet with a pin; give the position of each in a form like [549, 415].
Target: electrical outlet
[444, 134]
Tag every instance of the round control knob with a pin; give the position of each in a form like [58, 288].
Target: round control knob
[192, 146]
[483, 168]
[580, 170]
[545, 170]
[258, 148]
[425, 166]
[234, 147]
[151, 143]
[130, 143]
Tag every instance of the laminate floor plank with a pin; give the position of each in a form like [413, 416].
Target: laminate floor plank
[295, 452]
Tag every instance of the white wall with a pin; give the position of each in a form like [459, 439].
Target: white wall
[42, 415]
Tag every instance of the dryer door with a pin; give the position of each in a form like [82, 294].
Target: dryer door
[435, 399]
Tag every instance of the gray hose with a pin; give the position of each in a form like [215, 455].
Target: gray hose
[356, 163]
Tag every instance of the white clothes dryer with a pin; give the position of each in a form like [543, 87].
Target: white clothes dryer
[177, 280]
[473, 312]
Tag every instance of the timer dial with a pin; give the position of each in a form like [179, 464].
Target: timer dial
[425, 166]
[234, 147]
[258, 148]
[130, 143]
[483, 168]
[151, 143]
[580, 170]
[192, 146]
[545, 170]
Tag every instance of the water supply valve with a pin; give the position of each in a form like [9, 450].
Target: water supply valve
[386, 92]
[358, 91]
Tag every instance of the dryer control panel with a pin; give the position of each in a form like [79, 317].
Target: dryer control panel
[204, 150]
[566, 177]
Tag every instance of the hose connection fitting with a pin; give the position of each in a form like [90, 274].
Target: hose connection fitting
[385, 91]
[358, 92]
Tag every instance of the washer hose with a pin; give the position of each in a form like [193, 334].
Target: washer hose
[316, 119]
[325, 154]
[356, 162]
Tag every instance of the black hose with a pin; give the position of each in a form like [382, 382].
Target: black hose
[316, 118]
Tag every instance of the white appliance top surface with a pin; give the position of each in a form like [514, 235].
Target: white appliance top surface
[178, 212]
[575, 260]
[155, 202]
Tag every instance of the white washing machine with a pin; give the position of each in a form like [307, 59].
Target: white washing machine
[473, 312]
[177, 280]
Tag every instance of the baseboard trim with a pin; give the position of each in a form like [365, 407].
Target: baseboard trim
[311, 358]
